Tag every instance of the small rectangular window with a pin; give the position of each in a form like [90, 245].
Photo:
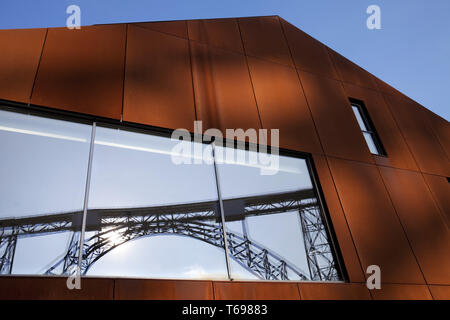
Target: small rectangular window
[367, 128]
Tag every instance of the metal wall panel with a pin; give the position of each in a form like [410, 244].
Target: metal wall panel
[440, 188]
[220, 33]
[339, 223]
[419, 135]
[440, 292]
[402, 292]
[223, 91]
[282, 105]
[352, 73]
[335, 122]
[146, 289]
[263, 38]
[442, 130]
[175, 28]
[423, 223]
[333, 291]
[54, 288]
[398, 154]
[378, 235]
[255, 291]
[19, 59]
[308, 53]
[82, 70]
[158, 83]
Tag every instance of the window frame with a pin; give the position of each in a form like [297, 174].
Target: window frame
[163, 132]
[370, 128]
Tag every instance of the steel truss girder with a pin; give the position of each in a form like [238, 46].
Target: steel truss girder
[197, 220]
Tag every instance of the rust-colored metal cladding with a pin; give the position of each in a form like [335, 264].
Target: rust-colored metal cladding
[440, 188]
[401, 292]
[442, 130]
[145, 289]
[398, 154]
[237, 290]
[337, 127]
[419, 135]
[422, 221]
[19, 59]
[352, 73]
[54, 288]
[308, 53]
[175, 28]
[223, 91]
[282, 105]
[334, 291]
[378, 234]
[220, 33]
[440, 292]
[263, 38]
[158, 83]
[338, 221]
[82, 70]
[386, 88]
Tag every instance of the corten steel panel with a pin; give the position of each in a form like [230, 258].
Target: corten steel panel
[419, 135]
[45, 288]
[339, 223]
[282, 105]
[440, 292]
[82, 70]
[398, 154]
[264, 38]
[378, 234]
[144, 289]
[401, 292]
[335, 122]
[386, 88]
[255, 291]
[442, 130]
[440, 188]
[308, 53]
[352, 73]
[158, 83]
[333, 291]
[176, 28]
[223, 92]
[19, 59]
[221, 33]
[426, 230]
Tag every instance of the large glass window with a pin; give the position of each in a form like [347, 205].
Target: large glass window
[43, 168]
[274, 222]
[149, 216]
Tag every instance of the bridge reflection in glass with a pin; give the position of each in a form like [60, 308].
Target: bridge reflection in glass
[148, 217]
[43, 167]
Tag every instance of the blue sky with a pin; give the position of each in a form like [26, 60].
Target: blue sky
[411, 51]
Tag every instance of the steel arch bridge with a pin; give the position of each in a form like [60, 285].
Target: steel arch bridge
[114, 227]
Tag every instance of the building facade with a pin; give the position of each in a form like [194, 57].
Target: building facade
[86, 120]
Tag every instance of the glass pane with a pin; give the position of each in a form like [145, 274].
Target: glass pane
[43, 171]
[359, 118]
[273, 221]
[150, 217]
[370, 143]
